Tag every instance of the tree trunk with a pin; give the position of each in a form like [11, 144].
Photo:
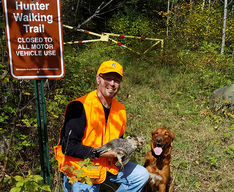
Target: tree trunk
[232, 57]
[207, 29]
[168, 8]
[191, 2]
[203, 4]
[224, 26]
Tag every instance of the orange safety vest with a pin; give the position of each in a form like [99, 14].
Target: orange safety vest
[97, 133]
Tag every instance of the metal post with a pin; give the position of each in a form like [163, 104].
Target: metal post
[42, 131]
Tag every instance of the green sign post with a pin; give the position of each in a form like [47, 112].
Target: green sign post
[42, 130]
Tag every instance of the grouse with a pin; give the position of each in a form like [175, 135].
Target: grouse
[127, 146]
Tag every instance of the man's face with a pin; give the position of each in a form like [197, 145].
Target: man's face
[109, 84]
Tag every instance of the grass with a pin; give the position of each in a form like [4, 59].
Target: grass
[157, 98]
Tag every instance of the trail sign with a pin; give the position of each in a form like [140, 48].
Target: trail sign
[34, 38]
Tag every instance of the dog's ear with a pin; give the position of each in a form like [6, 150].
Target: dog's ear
[172, 135]
[168, 150]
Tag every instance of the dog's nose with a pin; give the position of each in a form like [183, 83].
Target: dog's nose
[159, 140]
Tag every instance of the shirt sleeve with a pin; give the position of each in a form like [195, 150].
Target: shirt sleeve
[73, 131]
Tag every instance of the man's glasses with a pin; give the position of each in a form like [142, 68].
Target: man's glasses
[108, 79]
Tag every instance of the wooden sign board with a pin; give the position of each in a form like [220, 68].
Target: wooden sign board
[34, 38]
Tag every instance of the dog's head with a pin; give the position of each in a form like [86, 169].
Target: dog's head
[161, 143]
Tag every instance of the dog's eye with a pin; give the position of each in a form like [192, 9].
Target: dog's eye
[166, 133]
[156, 133]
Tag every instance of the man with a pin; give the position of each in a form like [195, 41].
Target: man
[90, 122]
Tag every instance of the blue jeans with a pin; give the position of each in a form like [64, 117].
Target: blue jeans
[132, 179]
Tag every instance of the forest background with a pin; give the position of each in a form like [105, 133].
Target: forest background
[169, 88]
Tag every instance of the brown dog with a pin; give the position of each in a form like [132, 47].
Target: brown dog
[157, 161]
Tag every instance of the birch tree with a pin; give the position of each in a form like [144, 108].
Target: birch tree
[203, 4]
[168, 8]
[224, 26]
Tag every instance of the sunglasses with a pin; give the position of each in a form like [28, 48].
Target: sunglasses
[108, 79]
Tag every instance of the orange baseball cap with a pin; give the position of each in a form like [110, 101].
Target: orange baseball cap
[110, 66]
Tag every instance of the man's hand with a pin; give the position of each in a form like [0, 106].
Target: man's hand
[110, 153]
[139, 142]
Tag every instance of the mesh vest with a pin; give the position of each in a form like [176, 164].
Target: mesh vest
[97, 133]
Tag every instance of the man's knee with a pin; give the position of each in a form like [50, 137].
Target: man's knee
[145, 174]
[142, 174]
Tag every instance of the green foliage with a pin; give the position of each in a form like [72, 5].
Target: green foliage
[213, 161]
[78, 173]
[133, 24]
[21, 141]
[78, 79]
[130, 24]
[194, 23]
[9, 108]
[54, 106]
[31, 183]
[230, 150]
[3, 117]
